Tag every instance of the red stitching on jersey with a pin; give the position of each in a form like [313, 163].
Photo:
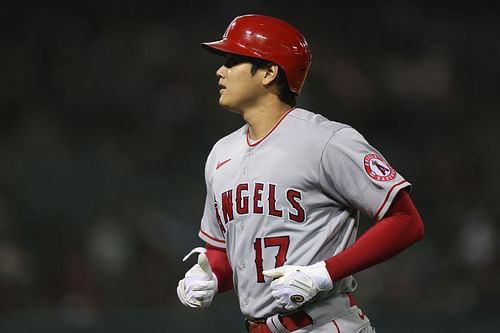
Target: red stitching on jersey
[387, 197]
[212, 238]
[336, 326]
[272, 129]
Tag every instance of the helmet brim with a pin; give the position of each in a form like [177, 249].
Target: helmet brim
[223, 47]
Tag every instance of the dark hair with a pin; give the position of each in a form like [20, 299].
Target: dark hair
[284, 93]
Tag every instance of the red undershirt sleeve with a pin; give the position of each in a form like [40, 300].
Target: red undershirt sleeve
[219, 263]
[401, 227]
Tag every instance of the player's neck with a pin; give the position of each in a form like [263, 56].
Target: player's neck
[262, 119]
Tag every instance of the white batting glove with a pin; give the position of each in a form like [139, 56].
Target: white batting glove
[199, 285]
[294, 286]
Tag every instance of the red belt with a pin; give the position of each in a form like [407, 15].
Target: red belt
[292, 322]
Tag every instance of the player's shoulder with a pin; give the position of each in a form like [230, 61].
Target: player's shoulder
[229, 141]
[317, 121]
[231, 138]
[328, 131]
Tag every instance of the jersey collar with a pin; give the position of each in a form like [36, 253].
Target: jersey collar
[250, 144]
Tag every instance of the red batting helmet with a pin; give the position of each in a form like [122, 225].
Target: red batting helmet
[270, 39]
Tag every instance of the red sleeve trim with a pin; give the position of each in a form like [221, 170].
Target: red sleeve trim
[212, 238]
[386, 199]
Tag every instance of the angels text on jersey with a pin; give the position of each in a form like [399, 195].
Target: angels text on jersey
[259, 198]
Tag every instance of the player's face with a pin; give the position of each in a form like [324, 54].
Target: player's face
[239, 88]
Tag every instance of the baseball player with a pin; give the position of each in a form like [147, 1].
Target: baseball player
[284, 194]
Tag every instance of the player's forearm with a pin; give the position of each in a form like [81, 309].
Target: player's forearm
[400, 228]
[219, 263]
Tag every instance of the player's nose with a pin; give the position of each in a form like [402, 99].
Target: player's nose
[220, 71]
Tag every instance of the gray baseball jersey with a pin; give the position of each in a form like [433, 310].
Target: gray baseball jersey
[291, 198]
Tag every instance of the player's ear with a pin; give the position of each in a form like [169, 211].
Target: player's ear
[270, 74]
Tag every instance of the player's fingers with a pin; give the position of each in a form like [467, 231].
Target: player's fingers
[277, 283]
[274, 273]
[281, 300]
[276, 294]
[196, 270]
[196, 273]
[186, 299]
[203, 262]
[203, 285]
[202, 295]
[181, 292]
[193, 303]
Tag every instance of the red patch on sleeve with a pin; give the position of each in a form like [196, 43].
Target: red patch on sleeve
[377, 168]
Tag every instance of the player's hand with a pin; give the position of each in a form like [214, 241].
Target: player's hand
[294, 286]
[199, 285]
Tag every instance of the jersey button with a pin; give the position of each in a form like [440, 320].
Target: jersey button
[244, 171]
[242, 227]
[243, 265]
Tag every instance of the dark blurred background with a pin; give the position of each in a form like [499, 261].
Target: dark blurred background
[108, 110]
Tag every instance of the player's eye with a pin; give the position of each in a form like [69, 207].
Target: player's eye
[233, 61]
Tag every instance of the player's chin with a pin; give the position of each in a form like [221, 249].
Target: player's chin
[228, 103]
[223, 102]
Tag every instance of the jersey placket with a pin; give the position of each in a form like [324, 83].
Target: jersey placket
[244, 177]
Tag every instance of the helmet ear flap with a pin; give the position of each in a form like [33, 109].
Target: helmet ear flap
[270, 39]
